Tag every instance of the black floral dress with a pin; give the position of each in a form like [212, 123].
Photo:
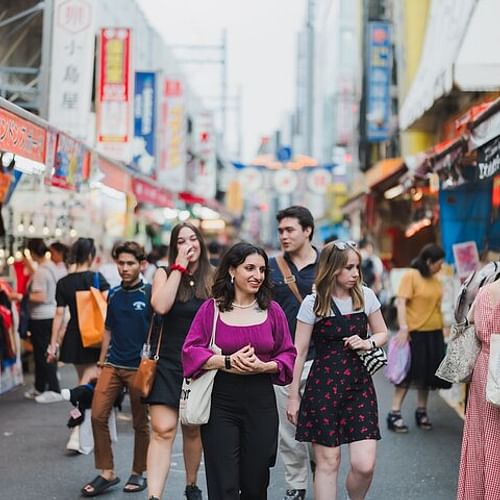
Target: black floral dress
[339, 404]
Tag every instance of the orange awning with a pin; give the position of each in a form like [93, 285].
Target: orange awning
[384, 170]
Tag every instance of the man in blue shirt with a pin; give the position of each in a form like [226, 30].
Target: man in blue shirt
[293, 274]
[127, 321]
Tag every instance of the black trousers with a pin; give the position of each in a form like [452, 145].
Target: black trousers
[241, 438]
[45, 373]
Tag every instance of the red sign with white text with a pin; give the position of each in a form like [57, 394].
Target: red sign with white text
[21, 137]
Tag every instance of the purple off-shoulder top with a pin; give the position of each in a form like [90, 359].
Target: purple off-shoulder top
[271, 340]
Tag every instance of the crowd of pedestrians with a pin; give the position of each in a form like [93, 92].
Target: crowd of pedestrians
[289, 376]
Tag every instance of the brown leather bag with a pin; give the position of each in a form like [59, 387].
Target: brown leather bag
[145, 374]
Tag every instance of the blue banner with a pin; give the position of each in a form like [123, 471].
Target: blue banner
[379, 76]
[143, 146]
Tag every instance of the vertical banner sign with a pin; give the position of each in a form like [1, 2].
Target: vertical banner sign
[203, 168]
[379, 73]
[71, 67]
[114, 94]
[171, 171]
[143, 145]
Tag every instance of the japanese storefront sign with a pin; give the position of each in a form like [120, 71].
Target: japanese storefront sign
[143, 146]
[171, 171]
[113, 100]
[202, 169]
[488, 159]
[379, 73]
[71, 164]
[21, 137]
[146, 193]
[71, 69]
[114, 177]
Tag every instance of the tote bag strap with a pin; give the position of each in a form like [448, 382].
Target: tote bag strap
[214, 324]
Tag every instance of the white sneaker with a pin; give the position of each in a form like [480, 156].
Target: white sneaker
[32, 394]
[49, 397]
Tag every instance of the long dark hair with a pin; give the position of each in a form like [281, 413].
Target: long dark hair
[223, 289]
[431, 252]
[203, 275]
[82, 250]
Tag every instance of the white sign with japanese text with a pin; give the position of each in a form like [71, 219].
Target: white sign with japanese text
[71, 66]
[202, 175]
[172, 129]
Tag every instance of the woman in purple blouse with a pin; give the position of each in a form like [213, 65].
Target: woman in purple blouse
[240, 439]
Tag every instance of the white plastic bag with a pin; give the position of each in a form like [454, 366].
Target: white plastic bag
[86, 435]
[493, 377]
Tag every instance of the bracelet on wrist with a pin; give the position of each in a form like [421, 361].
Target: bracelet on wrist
[178, 267]
[227, 362]
[373, 344]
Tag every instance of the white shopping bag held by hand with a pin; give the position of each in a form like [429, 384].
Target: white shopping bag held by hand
[493, 378]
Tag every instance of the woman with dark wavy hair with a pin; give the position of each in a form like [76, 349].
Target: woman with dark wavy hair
[240, 440]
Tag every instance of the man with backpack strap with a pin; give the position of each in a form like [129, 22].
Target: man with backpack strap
[293, 275]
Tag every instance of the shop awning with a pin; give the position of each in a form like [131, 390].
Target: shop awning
[356, 203]
[485, 126]
[460, 50]
[385, 173]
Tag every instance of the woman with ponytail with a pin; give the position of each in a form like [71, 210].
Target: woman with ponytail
[66, 343]
[421, 324]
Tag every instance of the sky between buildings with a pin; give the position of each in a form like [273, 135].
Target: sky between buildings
[262, 41]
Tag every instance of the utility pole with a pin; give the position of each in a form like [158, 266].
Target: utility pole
[310, 77]
[45, 65]
[221, 60]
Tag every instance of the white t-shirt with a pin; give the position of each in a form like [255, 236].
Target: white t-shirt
[306, 311]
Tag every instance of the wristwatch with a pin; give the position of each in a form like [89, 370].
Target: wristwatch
[227, 362]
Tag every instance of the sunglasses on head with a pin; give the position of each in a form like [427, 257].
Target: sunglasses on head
[342, 245]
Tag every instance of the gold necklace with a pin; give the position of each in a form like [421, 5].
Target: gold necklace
[239, 306]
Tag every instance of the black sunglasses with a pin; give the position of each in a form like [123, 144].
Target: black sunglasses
[343, 245]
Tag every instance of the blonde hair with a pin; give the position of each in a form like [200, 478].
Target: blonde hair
[331, 262]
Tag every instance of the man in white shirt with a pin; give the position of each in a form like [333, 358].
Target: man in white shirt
[42, 308]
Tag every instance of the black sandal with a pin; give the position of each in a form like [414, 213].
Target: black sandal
[99, 484]
[137, 482]
[422, 419]
[396, 423]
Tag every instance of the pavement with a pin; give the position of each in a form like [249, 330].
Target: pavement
[34, 464]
